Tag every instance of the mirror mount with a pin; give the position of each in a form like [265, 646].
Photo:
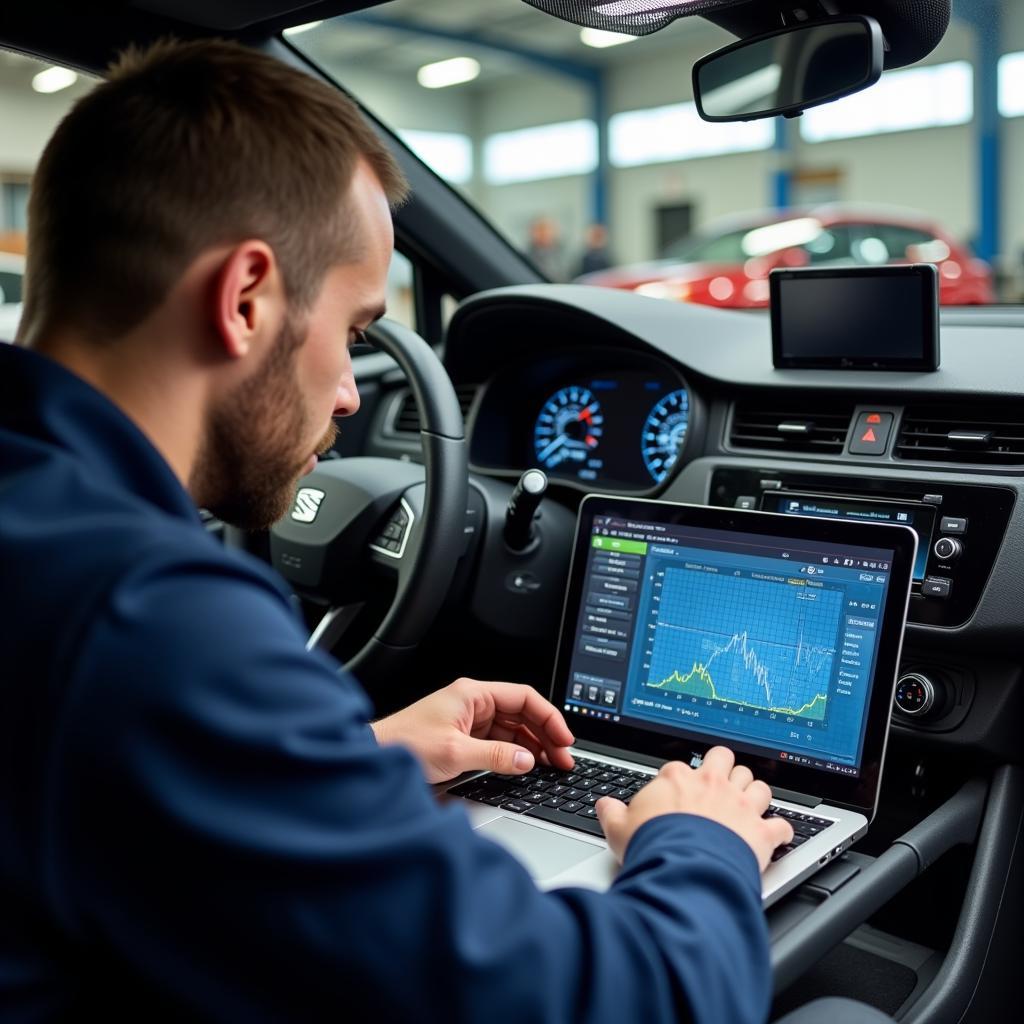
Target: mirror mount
[784, 72]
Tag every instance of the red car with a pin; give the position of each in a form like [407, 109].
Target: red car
[729, 266]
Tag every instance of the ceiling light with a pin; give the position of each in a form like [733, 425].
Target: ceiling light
[448, 72]
[600, 39]
[54, 79]
[296, 30]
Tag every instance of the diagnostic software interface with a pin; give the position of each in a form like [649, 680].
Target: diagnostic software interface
[766, 643]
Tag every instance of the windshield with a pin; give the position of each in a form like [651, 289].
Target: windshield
[585, 150]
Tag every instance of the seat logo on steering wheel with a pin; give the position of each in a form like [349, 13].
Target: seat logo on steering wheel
[307, 504]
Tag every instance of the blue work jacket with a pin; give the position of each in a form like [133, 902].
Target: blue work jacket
[196, 821]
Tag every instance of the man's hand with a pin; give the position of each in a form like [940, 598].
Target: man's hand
[719, 789]
[503, 727]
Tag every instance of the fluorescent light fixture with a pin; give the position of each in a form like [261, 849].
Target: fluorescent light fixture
[928, 97]
[54, 79]
[549, 151]
[449, 154]
[676, 132]
[297, 30]
[600, 39]
[1011, 85]
[448, 72]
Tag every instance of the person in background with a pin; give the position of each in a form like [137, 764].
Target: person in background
[544, 248]
[596, 254]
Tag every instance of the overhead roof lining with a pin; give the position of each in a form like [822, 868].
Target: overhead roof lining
[237, 15]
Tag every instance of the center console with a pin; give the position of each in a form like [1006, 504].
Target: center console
[959, 526]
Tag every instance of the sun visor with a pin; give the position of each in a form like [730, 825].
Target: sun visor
[634, 17]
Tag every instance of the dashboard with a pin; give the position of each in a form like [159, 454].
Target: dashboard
[590, 419]
[620, 394]
[614, 393]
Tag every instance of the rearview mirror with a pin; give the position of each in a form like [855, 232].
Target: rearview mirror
[787, 71]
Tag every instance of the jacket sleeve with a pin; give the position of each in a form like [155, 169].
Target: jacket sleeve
[222, 822]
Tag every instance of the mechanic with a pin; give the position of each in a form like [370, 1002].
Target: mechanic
[197, 816]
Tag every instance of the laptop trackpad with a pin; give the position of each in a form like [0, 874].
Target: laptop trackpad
[544, 853]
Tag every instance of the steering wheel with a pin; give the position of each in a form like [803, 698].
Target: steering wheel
[351, 516]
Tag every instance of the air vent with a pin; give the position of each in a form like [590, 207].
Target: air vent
[407, 419]
[987, 436]
[791, 427]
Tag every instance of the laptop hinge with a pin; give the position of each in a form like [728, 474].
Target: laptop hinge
[803, 799]
[623, 755]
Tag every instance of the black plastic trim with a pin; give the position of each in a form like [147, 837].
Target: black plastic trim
[804, 944]
[950, 995]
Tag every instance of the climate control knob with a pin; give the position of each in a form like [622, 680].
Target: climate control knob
[915, 694]
[948, 548]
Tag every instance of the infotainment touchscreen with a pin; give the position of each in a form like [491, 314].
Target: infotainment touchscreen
[869, 318]
[919, 517]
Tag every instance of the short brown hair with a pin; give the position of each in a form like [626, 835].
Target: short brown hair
[186, 146]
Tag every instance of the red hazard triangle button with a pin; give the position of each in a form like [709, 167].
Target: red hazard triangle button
[871, 433]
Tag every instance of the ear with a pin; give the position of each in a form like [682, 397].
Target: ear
[248, 298]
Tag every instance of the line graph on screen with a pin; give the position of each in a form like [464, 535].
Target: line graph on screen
[762, 644]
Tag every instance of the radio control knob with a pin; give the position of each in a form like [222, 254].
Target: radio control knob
[948, 548]
[915, 694]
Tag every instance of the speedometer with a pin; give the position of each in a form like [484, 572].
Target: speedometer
[568, 429]
[664, 432]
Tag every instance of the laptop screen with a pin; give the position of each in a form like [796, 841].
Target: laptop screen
[708, 626]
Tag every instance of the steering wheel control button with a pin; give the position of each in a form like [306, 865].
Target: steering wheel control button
[392, 538]
[952, 524]
[936, 586]
[747, 502]
[871, 433]
[948, 548]
[915, 694]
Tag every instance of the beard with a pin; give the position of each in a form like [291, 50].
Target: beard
[248, 463]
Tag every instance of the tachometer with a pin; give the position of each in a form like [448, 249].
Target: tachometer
[664, 433]
[568, 428]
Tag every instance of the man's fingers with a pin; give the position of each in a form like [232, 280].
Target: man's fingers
[499, 756]
[780, 832]
[719, 761]
[550, 752]
[741, 776]
[527, 703]
[612, 814]
[760, 795]
[520, 736]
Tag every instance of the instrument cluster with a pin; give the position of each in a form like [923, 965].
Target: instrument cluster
[591, 421]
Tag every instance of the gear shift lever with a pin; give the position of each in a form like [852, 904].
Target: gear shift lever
[521, 508]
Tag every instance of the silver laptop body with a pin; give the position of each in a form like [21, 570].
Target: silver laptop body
[515, 814]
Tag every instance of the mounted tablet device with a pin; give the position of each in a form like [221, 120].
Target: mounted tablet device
[856, 318]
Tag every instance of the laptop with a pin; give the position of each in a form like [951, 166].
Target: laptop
[688, 626]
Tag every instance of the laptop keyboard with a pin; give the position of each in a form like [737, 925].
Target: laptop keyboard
[805, 826]
[568, 798]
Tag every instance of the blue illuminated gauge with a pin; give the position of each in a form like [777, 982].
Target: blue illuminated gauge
[664, 433]
[568, 430]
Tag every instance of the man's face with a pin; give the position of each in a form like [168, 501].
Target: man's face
[265, 434]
